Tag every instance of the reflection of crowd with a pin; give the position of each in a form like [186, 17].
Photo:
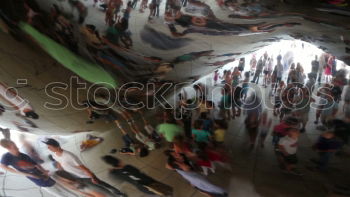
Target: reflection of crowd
[293, 99]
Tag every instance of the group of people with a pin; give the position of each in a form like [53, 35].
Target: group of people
[191, 153]
[293, 98]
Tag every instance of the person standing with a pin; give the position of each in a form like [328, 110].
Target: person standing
[328, 69]
[241, 64]
[252, 109]
[288, 147]
[279, 72]
[267, 70]
[252, 65]
[300, 75]
[326, 146]
[265, 123]
[245, 86]
[22, 164]
[315, 66]
[302, 107]
[323, 64]
[236, 75]
[157, 4]
[259, 69]
[333, 64]
[216, 77]
[72, 164]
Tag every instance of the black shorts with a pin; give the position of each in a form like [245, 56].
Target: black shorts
[278, 103]
[266, 72]
[290, 159]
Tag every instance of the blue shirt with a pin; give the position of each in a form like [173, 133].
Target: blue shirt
[201, 135]
[24, 163]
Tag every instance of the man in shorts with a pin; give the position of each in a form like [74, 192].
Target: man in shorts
[69, 162]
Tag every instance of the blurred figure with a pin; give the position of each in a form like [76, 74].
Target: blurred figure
[259, 69]
[265, 123]
[216, 77]
[72, 164]
[278, 71]
[252, 64]
[302, 108]
[252, 109]
[22, 164]
[326, 146]
[241, 64]
[182, 166]
[135, 177]
[315, 67]
[30, 150]
[288, 146]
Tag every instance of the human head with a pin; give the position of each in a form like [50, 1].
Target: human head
[113, 161]
[198, 124]
[292, 66]
[299, 67]
[52, 145]
[10, 146]
[221, 124]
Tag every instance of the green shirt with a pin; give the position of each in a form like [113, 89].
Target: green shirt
[200, 135]
[169, 131]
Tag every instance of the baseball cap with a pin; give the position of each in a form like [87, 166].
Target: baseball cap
[52, 142]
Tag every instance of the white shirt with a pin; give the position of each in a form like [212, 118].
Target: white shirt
[200, 182]
[70, 163]
[290, 145]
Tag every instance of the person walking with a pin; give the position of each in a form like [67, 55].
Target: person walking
[259, 69]
[22, 164]
[135, 177]
[279, 72]
[72, 164]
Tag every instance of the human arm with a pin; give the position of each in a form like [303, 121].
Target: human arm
[88, 172]
[41, 169]
[183, 166]
[89, 113]
[167, 166]
[7, 168]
